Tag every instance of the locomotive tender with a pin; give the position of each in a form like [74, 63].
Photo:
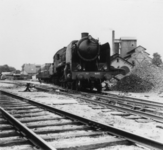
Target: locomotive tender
[45, 73]
[84, 63]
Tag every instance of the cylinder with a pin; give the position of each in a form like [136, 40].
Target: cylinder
[84, 34]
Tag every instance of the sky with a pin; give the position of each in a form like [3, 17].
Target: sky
[32, 31]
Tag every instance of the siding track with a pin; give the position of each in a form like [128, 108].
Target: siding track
[147, 109]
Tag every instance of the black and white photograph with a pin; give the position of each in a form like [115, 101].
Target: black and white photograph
[81, 74]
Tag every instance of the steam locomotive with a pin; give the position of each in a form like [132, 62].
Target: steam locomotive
[84, 63]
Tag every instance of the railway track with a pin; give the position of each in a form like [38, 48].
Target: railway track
[147, 109]
[13, 132]
[132, 101]
[144, 108]
[28, 113]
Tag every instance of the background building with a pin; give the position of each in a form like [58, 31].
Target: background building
[126, 53]
[137, 55]
[30, 69]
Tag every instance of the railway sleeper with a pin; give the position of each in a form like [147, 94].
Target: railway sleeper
[58, 129]
[71, 134]
[15, 105]
[11, 141]
[35, 114]
[3, 120]
[25, 111]
[45, 124]
[6, 127]
[101, 142]
[11, 103]
[20, 108]
[41, 118]
[8, 133]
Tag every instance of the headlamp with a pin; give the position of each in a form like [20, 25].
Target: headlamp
[105, 67]
[78, 67]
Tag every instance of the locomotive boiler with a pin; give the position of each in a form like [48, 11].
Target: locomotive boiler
[84, 63]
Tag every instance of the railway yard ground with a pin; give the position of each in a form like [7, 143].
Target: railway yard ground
[130, 123]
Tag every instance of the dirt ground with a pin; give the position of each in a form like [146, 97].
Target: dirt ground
[134, 124]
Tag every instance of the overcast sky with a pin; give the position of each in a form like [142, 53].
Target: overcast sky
[31, 31]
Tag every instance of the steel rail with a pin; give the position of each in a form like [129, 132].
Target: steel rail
[118, 132]
[31, 136]
[110, 95]
[139, 102]
[145, 115]
[137, 112]
[118, 99]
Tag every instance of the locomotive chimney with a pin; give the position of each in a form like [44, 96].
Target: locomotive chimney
[113, 37]
[84, 34]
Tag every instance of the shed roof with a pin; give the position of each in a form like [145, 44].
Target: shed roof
[133, 50]
[115, 56]
[128, 56]
[128, 38]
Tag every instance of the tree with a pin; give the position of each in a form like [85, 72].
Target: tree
[6, 68]
[156, 59]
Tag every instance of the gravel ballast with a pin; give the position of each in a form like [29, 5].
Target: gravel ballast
[147, 129]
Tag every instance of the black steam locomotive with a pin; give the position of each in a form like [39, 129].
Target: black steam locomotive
[82, 64]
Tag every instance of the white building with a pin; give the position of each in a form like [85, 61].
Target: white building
[120, 63]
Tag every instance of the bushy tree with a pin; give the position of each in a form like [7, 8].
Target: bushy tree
[156, 59]
[6, 68]
[133, 83]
